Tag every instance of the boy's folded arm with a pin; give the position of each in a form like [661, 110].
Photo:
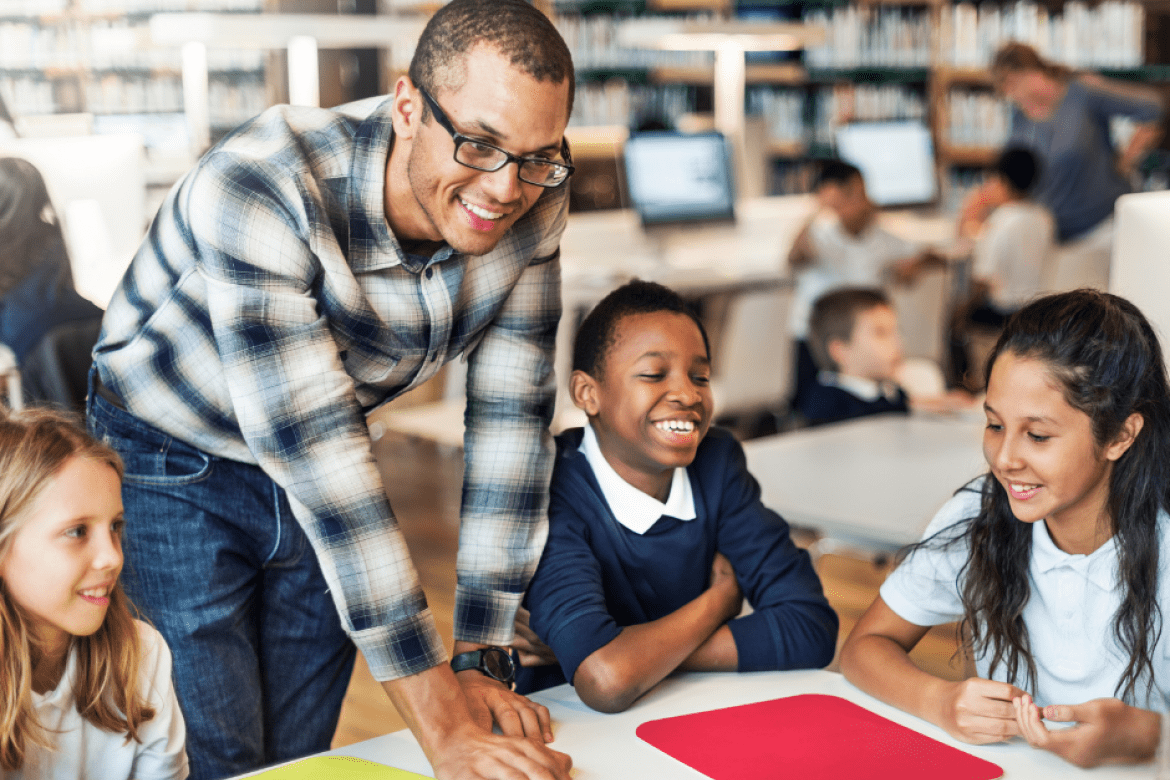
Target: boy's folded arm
[792, 626]
[612, 677]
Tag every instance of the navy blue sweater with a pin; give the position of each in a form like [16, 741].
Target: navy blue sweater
[828, 403]
[596, 576]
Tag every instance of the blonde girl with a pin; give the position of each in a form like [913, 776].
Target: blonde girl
[1054, 562]
[86, 688]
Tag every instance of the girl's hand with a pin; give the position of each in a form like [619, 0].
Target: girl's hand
[1107, 731]
[979, 711]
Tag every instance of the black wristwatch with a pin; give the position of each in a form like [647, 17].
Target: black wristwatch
[495, 662]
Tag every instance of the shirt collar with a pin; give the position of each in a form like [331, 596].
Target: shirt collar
[1099, 566]
[865, 389]
[631, 507]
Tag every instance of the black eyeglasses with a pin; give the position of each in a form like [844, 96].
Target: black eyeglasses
[483, 156]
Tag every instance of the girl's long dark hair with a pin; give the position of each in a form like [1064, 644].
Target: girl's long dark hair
[1107, 359]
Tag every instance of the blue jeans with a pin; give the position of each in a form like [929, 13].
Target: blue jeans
[215, 559]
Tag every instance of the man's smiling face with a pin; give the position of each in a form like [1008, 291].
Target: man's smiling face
[498, 103]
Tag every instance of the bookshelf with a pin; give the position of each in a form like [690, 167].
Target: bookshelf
[882, 59]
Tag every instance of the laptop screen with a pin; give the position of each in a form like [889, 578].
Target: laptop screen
[677, 177]
[896, 159]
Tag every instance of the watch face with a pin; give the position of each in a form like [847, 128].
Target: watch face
[498, 664]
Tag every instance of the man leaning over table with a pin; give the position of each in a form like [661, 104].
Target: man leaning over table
[315, 264]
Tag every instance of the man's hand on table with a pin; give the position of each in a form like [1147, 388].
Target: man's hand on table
[491, 701]
[437, 707]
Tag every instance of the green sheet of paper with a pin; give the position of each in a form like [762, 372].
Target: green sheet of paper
[338, 768]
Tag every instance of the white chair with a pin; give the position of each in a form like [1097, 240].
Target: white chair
[753, 362]
[923, 309]
[1141, 258]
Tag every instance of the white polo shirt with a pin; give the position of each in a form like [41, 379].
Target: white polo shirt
[634, 509]
[85, 752]
[1069, 615]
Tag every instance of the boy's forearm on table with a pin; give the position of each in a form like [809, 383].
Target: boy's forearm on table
[718, 653]
[641, 656]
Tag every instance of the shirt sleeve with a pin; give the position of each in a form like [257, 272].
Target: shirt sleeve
[162, 753]
[1109, 99]
[296, 407]
[792, 625]
[566, 599]
[508, 450]
[925, 588]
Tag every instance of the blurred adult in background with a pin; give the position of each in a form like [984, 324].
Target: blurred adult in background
[47, 325]
[1064, 119]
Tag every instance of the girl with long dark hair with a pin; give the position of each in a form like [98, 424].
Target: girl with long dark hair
[1051, 562]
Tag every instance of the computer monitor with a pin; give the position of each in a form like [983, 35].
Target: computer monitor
[896, 159]
[676, 178]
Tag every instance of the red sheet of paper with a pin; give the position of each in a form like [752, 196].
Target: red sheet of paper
[811, 735]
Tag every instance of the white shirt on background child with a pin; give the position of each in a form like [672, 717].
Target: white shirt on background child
[86, 752]
[1015, 252]
[841, 260]
[1069, 614]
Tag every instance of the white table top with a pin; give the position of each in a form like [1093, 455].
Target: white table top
[605, 747]
[876, 481]
[602, 249]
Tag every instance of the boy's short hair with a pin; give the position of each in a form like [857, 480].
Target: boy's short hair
[833, 317]
[1019, 167]
[598, 331]
[836, 172]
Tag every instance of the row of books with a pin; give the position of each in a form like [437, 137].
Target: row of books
[43, 8]
[105, 44]
[842, 103]
[976, 118]
[593, 41]
[233, 97]
[786, 111]
[869, 36]
[1108, 34]
[618, 102]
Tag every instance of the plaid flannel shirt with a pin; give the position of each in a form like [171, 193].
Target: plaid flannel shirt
[270, 308]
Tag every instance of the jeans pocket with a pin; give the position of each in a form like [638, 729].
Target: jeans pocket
[174, 463]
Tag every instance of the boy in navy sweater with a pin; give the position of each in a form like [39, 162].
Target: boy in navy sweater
[657, 533]
[853, 335]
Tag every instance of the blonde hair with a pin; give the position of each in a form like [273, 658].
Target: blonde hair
[35, 445]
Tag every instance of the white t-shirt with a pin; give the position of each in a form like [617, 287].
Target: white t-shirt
[1012, 252]
[85, 752]
[1069, 615]
[842, 259]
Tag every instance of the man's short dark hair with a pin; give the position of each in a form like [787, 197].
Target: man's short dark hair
[524, 35]
[833, 317]
[836, 172]
[1019, 168]
[598, 332]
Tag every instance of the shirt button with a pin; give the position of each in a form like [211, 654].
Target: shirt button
[430, 272]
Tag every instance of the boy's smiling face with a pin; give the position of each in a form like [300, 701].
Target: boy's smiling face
[651, 405]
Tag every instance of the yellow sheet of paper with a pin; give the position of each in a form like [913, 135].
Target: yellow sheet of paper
[338, 768]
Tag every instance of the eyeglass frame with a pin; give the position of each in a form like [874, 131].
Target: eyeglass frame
[460, 139]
